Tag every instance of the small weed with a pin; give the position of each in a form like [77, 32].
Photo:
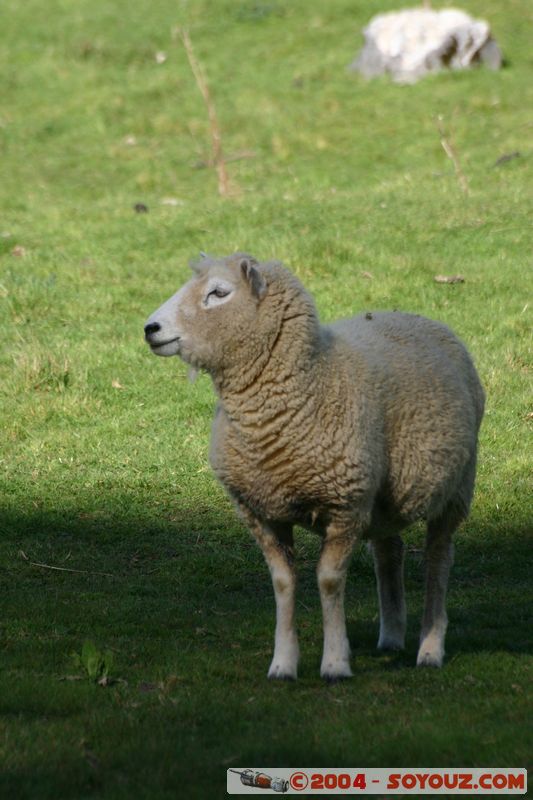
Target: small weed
[97, 664]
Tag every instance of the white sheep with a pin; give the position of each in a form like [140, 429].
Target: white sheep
[353, 430]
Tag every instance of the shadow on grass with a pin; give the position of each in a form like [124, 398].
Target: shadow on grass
[196, 573]
[184, 601]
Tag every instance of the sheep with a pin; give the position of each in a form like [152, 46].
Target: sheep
[353, 430]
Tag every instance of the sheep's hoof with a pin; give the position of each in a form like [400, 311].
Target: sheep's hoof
[333, 673]
[427, 659]
[279, 673]
[431, 650]
[281, 676]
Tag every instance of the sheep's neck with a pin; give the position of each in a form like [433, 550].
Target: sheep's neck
[279, 391]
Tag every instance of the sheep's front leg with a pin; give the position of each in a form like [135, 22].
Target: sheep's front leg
[332, 567]
[276, 542]
[388, 564]
[439, 559]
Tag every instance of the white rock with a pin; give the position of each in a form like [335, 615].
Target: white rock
[410, 43]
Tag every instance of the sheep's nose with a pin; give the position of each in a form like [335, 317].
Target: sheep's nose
[152, 327]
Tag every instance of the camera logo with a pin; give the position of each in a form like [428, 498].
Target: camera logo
[259, 780]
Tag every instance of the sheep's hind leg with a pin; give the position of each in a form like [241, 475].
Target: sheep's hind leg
[331, 572]
[388, 564]
[439, 559]
[276, 542]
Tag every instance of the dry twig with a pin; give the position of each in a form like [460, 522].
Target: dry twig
[216, 138]
[450, 151]
[63, 569]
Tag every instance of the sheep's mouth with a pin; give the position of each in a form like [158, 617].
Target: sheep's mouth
[157, 345]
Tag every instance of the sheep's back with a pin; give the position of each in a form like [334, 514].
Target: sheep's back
[405, 347]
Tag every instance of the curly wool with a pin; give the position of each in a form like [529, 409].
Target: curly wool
[375, 415]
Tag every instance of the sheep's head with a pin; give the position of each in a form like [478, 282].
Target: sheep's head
[212, 322]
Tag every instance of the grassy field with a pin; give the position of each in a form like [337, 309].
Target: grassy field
[104, 469]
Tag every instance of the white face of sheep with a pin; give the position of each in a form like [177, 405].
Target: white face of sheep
[205, 322]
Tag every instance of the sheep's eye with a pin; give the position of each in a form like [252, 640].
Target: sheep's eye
[218, 293]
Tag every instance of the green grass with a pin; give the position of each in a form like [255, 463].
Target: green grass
[348, 177]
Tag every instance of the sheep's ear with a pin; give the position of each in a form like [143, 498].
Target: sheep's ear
[253, 277]
[199, 265]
